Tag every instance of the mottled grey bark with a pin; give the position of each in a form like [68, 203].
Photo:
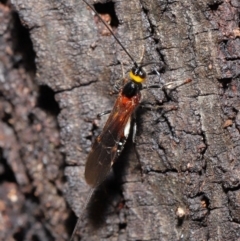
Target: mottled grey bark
[31, 177]
[180, 181]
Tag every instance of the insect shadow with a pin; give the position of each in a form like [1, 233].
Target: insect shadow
[108, 195]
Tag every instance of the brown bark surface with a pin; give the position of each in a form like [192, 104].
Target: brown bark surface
[180, 180]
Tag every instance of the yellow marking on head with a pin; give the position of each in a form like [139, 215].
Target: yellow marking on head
[136, 78]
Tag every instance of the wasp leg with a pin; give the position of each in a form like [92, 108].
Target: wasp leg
[166, 107]
[103, 113]
[134, 133]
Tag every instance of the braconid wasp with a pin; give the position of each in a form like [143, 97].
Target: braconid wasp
[109, 144]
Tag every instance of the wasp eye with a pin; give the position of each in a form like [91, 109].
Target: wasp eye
[138, 71]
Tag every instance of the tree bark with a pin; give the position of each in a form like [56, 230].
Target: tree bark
[180, 179]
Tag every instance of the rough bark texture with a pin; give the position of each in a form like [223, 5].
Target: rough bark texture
[181, 179]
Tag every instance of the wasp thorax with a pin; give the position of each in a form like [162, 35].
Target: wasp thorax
[131, 89]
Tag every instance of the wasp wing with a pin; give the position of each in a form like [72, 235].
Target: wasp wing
[105, 147]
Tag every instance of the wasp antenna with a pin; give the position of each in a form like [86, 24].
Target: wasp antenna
[81, 214]
[175, 84]
[110, 30]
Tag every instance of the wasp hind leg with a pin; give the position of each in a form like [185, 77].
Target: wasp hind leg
[99, 115]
